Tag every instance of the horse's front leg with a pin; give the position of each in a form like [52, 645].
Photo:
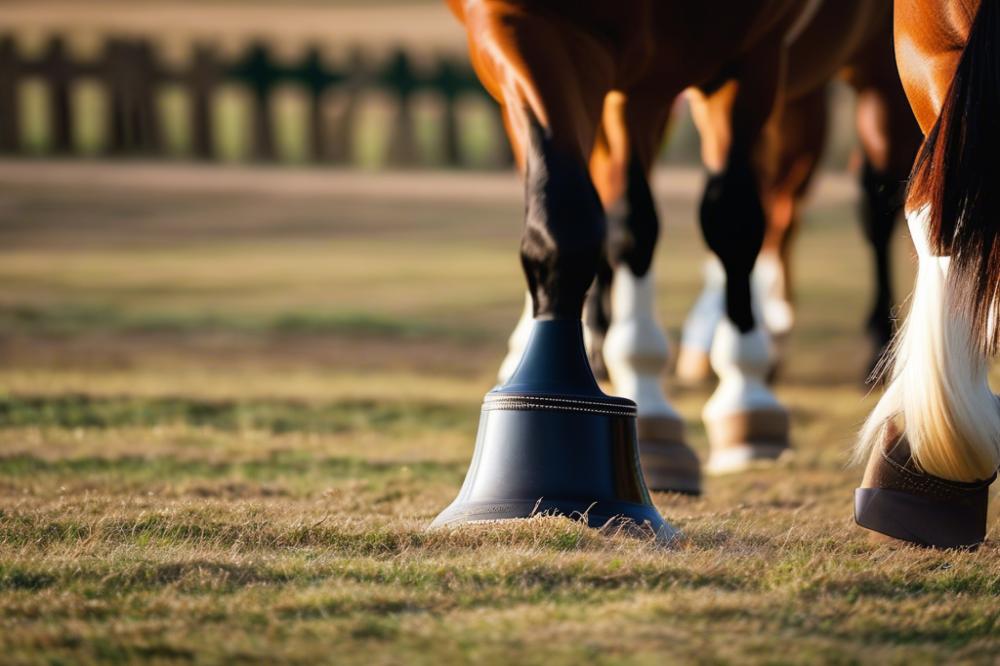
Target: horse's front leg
[636, 351]
[744, 420]
[549, 439]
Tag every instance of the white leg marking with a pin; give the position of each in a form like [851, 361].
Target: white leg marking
[699, 327]
[768, 282]
[741, 360]
[635, 350]
[940, 384]
[517, 341]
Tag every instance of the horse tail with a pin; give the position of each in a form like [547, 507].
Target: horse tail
[939, 389]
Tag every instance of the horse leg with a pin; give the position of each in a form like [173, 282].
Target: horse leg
[743, 419]
[889, 139]
[516, 109]
[597, 306]
[596, 319]
[693, 365]
[794, 142]
[933, 439]
[636, 351]
[550, 441]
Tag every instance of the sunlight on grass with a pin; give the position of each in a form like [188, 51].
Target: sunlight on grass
[224, 433]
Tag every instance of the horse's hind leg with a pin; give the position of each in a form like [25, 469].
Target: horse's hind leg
[793, 144]
[744, 420]
[889, 139]
[636, 351]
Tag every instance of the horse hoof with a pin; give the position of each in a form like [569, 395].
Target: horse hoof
[901, 504]
[668, 463]
[744, 440]
[693, 366]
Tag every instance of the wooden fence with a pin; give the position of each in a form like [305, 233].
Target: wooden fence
[131, 75]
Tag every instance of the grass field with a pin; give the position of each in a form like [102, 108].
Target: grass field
[228, 411]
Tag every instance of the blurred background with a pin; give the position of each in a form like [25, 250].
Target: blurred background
[357, 84]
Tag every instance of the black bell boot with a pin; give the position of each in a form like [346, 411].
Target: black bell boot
[550, 441]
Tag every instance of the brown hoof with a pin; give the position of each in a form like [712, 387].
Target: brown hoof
[668, 464]
[743, 440]
[900, 502]
[693, 366]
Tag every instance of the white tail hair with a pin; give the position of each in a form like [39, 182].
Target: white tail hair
[939, 395]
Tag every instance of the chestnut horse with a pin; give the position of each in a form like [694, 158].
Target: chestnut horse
[933, 440]
[586, 89]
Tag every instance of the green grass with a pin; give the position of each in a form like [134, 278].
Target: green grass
[82, 411]
[226, 421]
[67, 319]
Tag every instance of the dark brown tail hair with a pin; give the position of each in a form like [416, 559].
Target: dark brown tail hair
[957, 173]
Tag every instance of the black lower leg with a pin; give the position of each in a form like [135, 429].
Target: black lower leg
[564, 229]
[733, 223]
[633, 227]
[880, 206]
[598, 316]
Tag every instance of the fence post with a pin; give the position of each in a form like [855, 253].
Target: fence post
[56, 69]
[259, 73]
[115, 55]
[201, 80]
[398, 77]
[144, 87]
[449, 83]
[316, 78]
[354, 78]
[10, 125]
[132, 77]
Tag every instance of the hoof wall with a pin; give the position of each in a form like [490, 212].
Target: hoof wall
[670, 467]
[747, 439]
[906, 518]
[668, 464]
[901, 503]
[741, 458]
